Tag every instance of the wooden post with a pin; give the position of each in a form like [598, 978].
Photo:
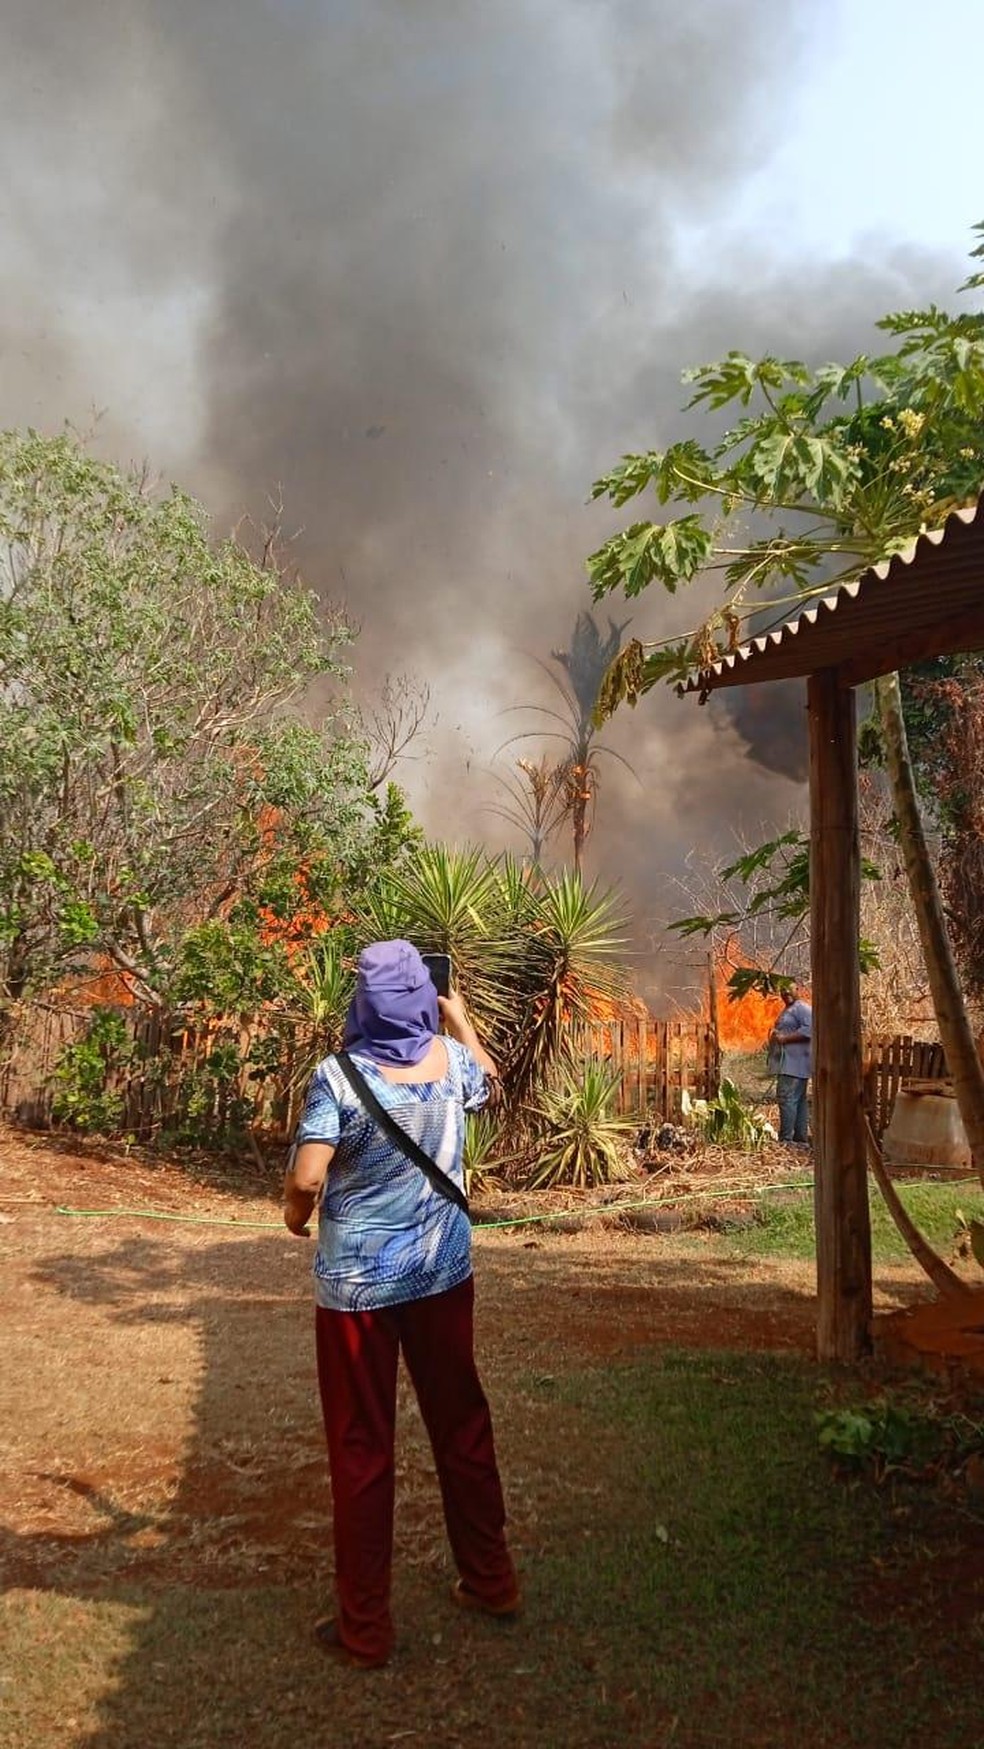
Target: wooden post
[840, 1185]
[712, 1015]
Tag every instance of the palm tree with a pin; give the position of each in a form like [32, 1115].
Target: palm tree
[584, 665]
[537, 798]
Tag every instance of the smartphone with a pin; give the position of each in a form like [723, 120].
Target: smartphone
[439, 966]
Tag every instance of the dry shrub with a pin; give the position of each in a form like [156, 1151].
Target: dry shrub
[894, 994]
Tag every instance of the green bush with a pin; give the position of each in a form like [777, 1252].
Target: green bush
[883, 1435]
[83, 1096]
[727, 1119]
[578, 1140]
[207, 1106]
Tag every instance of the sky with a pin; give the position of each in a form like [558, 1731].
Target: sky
[885, 137]
[427, 270]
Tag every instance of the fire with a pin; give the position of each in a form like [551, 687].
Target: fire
[631, 1010]
[296, 932]
[104, 987]
[604, 1008]
[743, 1025]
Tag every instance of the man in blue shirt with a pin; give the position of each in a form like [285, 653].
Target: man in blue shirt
[790, 1049]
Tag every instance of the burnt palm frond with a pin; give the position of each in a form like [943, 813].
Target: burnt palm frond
[537, 793]
[583, 667]
[588, 659]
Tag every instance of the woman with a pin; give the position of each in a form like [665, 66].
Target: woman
[393, 1272]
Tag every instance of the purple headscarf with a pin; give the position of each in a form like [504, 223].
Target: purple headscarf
[393, 1016]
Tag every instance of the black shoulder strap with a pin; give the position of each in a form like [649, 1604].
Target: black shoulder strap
[397, 1135]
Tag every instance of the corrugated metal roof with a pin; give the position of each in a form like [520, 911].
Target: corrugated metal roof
[925, 601]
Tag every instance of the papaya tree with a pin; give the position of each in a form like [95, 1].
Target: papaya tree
[825, 471]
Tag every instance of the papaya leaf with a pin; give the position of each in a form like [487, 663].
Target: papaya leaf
[704, 925]
[761, 857]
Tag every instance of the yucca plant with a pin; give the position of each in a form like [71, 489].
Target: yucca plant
[577, 938]
[530, 954]
[581, 1141]
[517, 893]
[324, 983]
[486, 1149]
[452, 901]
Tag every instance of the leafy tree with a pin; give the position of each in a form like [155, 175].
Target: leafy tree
[154, 771]
[839, 466]
[770, 881]
[532, 954]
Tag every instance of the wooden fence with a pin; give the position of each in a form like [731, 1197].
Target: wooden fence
[886, 1063]
[38, 1038]
[657, 1059]
[166, 1079]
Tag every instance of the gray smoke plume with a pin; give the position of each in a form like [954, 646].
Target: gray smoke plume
[428, 269]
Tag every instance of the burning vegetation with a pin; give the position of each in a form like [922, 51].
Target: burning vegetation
[743, 1022]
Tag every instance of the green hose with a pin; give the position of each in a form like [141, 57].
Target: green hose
[611, 1208]
[163, 1215]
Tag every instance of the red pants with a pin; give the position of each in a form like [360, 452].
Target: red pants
[357, 1365]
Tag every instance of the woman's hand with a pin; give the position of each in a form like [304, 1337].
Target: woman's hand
[298, 1210]
[454, 1015]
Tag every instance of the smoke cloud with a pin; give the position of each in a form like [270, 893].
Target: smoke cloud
[427, 269]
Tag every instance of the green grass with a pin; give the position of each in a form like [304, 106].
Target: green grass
[731, 1596]
[785, 1224]
[697, 1577]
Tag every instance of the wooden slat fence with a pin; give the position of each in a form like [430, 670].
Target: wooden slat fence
[38, 1038]
[887, 1062]
[166, 1082]
[657, 1060]
[167, 1079]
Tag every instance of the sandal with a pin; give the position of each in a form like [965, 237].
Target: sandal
[468, 1599]
[327, 1636]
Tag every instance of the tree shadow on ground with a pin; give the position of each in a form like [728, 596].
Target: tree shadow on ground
[242, 1170]
[183, 1604]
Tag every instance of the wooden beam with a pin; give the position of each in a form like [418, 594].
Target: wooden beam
[844, 1303]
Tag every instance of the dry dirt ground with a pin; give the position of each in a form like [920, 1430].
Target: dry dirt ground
[159, 1438]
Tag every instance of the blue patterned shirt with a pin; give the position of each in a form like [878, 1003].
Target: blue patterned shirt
[385, 1235]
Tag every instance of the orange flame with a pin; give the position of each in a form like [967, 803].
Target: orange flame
[743, 1025]
[602, 1009]
[104, 987]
